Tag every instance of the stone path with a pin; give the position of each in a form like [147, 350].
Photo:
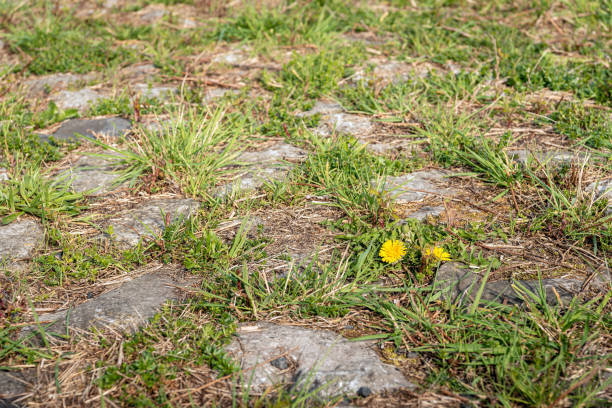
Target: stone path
[319, 360]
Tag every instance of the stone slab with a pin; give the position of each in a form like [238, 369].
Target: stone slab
[80, 100]
[19, 239]
[50, 83]
[155, 92]
[557, 157]
[323, 108]
[462, 284]
[319, 358]
[425, 212]
[602, 189]
[125, 308]
[12, 386]
[70, 130]
[346, 123]
[149, 219]
[92, 175]
[415, 187]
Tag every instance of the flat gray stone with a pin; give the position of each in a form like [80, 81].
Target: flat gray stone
[149, 219]
[602, 189]
[93, 175]
[216, 93]
[347, 123]
[80, 100]
[234, 57]
[385, 72]
[155, 92]
[277, 153]
[424, 212]
[53, 82]
[524, 156]
[460, 283]
[4, 174]
[323, 108]
[139, 71]
[266, 165]
[125, 308]
[19, 239]
[12, 386]
[320, 358]
[415, 187]
[104, 127]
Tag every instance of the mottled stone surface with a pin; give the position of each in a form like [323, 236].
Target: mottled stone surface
[385, 72]
[216, 93]
[354, 125]
[270, 164]
[424, 212]
[234, 57]
[156, 92]
[319, 358]
[3, 174]
[104, 127]
[92, 175]
[414, 187]
[80, 100]
[149, 219]
[12, 385]
[19, 239]
[126, 307]
[524, 156]
[460, 283]
[53, 82]
[139, 71]
[323, 108]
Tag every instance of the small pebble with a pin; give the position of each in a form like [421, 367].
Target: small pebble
[280, 363]
[364, 392]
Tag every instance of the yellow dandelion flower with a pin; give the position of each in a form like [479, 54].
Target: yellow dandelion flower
[437, 252]
[392, 251]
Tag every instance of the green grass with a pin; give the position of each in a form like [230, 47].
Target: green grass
[512, 220]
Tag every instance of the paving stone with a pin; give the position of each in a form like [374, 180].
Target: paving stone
[321, 358]
[266, 165]
[157, 92]
[425, 212]
[53, 82]
[415, 187]
[524, 156]
[19, 239]
[12, 386]
[348, 123]
[149, 218]
[80, 100]
[237, 56]
[105, 127]
[460, 283]
[385, 72]
[126, 307]
[216, 93]
[95, 175]
[323, 108]
[602, 189]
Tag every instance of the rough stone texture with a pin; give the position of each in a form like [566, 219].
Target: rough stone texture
[216, 93]
[322, 107]
[602, 189]
[149, 219]
[355, 125]
[234, 57]
[524, 157]
[125, 308]
[11, 387]
[80, 100]
[53, 82]
[280, 152]
[265, 165]
[424, 212]
[322, 359]
[92, 174]
[414, 187]
[157, 92]
[3, 174]
[19, 239]
[385, 72]
[461, 283]
[105, 127]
